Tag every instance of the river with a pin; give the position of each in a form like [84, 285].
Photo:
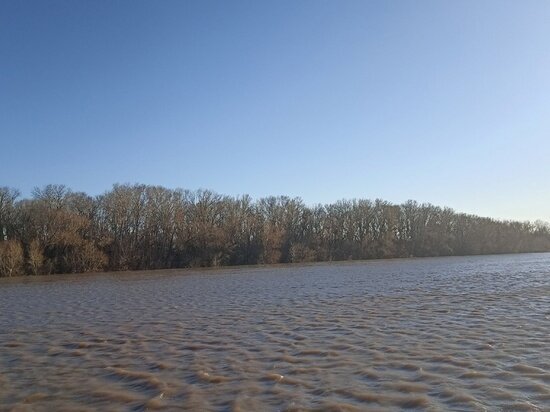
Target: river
[456, 333]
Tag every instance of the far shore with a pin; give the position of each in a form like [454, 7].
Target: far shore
[240, 268]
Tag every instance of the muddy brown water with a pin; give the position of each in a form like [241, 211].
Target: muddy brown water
[461, 333]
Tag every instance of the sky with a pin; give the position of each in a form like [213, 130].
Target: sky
[446, 102]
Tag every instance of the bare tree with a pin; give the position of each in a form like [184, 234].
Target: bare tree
[7, 211]
[148, 227]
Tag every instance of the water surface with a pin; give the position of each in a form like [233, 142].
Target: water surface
[460, 333]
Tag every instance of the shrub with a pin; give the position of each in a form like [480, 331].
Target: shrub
[11, 258]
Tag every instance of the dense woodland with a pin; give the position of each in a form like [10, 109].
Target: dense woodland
[151, 227]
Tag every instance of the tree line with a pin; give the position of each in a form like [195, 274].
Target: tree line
[133, 227]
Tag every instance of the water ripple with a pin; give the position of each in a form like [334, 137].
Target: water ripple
[467, 334]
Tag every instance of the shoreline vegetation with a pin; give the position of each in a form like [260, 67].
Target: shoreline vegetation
[238, 268]
[140, 227]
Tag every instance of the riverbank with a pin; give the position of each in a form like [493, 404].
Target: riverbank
[243, 268]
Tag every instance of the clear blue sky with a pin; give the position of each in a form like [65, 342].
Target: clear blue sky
[440, 101]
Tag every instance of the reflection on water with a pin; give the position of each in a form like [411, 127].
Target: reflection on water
[466, 333]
